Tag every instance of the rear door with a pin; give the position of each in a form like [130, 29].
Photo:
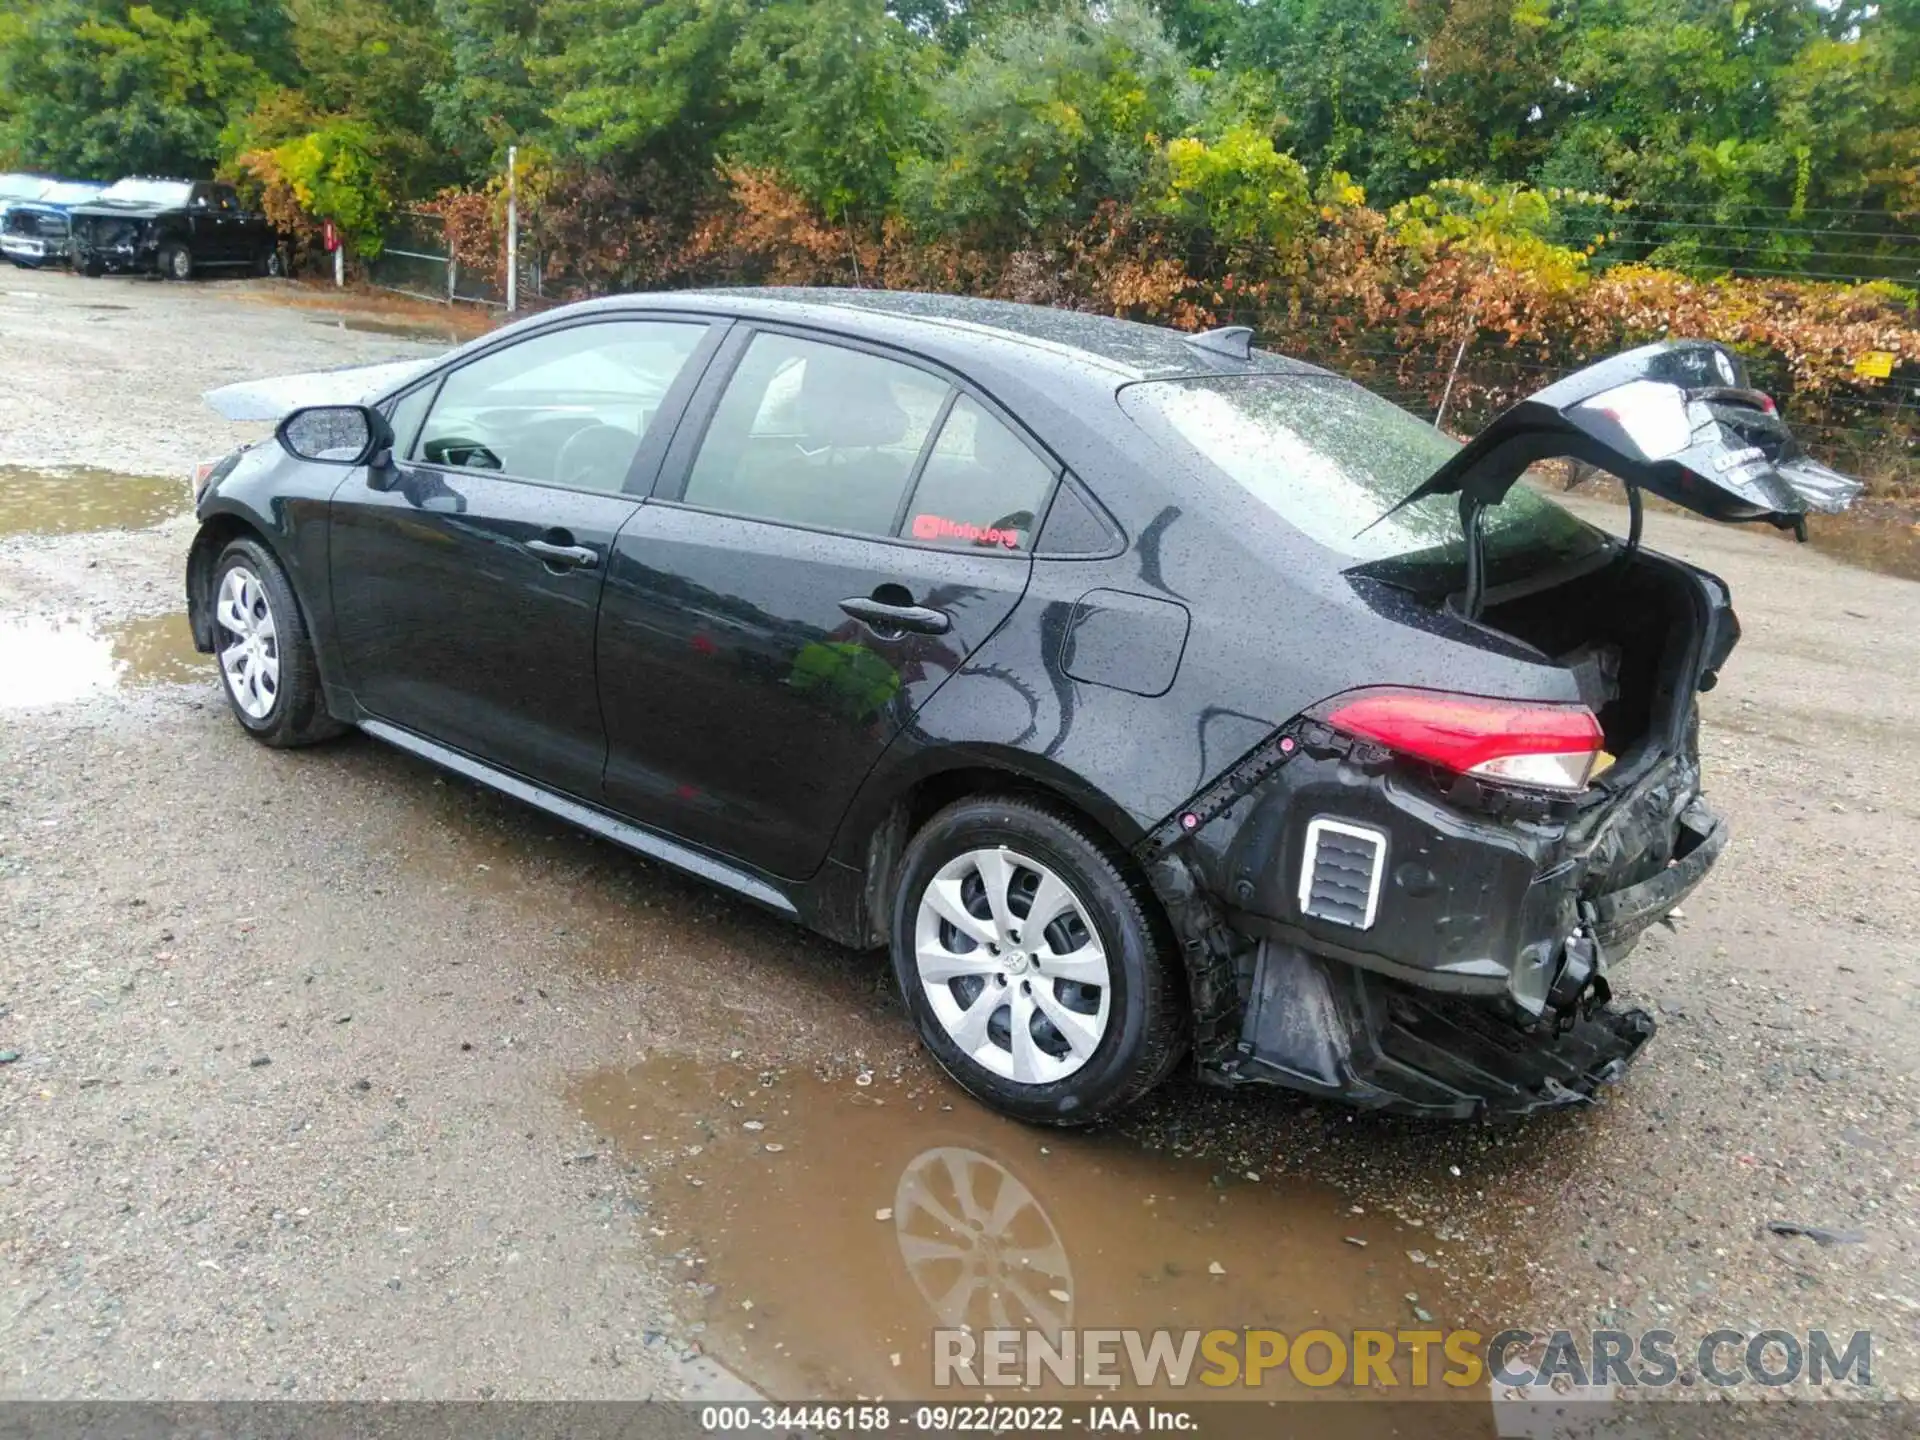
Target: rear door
[467, 578]
[230, 221]
[206, 236]
[837, 529]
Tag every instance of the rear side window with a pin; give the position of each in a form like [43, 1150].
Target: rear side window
[814, 434]
[981, 485]
[567, 407]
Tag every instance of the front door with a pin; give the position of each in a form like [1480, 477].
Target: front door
[845, 530]
[467, 577]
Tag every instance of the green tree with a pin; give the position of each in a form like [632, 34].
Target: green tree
[108, 90]
[378, 62]
[832, 95]
[1340, 68]
[1045, 118]
[1238, 188]
[642, 80]
[489, 98]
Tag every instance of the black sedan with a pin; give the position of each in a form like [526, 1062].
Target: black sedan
[1146, 695]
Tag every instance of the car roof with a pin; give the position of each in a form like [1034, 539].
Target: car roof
[949, 325]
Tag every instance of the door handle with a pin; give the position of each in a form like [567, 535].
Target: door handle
[565, 557]
[886, 619]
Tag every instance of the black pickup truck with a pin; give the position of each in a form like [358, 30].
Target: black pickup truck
[172, 228]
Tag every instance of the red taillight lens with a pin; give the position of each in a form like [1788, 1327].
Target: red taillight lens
[1549, 746]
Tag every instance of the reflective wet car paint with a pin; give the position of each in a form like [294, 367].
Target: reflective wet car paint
[703, 688]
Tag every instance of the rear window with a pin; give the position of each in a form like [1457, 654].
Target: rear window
[1330, 458]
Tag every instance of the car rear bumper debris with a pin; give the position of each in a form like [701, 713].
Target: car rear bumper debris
[1342, 1032]
[1360, 931]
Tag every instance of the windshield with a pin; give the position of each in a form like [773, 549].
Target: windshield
[69, 192]
[1330, 458]
[149, 192]
[21, 187]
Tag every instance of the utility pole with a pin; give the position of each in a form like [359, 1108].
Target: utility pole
[513, 234]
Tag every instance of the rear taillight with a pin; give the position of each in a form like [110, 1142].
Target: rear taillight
[1549, 747]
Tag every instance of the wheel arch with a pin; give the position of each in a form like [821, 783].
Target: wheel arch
[219, 530]
[216, 532]
[890, 811]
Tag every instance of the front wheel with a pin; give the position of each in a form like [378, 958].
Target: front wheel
[267, 664]
[176, 262]
[1036, 967]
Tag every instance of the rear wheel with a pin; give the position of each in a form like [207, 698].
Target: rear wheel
[267, 262]
[267, 665]
[176, 262]
[1036, 967]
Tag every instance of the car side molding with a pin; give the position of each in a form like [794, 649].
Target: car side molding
[629, 836]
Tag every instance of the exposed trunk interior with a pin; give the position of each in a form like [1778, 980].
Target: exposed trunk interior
[1630, 632]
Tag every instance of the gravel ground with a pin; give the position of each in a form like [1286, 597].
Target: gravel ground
[297, 1033]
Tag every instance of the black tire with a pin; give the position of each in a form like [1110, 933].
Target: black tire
[92, 269]
[267, 262]
[1147, 1020]
[296, 713]
[175, 262]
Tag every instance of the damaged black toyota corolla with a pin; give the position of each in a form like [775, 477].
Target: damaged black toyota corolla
[1148, 695]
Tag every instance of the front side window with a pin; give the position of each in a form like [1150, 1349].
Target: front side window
[982, 486]
[568, 407]
[405, 415]
[815, 434]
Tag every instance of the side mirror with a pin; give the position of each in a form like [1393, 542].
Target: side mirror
[336, 435]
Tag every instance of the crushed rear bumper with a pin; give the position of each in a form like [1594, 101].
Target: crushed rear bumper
[1473, 981]
[1340, 1032]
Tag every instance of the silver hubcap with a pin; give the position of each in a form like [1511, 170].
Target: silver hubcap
[249, 643]
[181, 264]
[1012, 966]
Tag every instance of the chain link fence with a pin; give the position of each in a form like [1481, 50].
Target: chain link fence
[417, 261]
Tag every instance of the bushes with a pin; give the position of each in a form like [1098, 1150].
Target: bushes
[327, 173]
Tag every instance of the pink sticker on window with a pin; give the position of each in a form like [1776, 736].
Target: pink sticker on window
[939, 527]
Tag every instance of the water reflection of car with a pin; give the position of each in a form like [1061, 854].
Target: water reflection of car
[1148, 695]
[39, 231]
[172, 228]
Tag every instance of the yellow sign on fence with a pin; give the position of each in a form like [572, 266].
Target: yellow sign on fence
[1875, 364]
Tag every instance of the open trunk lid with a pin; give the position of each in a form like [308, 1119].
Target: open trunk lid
[1676, 419]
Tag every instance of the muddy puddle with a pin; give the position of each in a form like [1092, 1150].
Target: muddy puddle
[69, 501]
[54, 660]
[423, 333]
[822, 1230]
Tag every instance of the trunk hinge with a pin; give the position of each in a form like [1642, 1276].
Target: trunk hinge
[1473, 513]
